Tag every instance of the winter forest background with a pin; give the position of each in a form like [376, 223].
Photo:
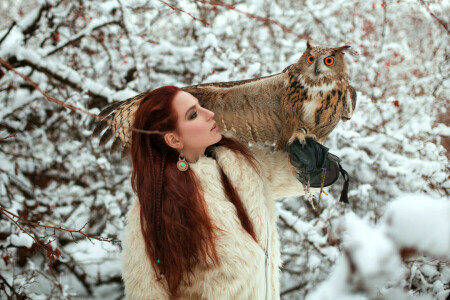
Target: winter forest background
[63, 198]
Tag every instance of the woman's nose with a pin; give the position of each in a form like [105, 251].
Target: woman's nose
[210, 114]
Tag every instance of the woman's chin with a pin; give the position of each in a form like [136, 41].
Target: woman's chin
[217, 138]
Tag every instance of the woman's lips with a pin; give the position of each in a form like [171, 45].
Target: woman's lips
[214, 127]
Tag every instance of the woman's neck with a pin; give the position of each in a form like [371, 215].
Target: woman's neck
[193, 155]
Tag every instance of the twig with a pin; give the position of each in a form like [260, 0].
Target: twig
[11, 288]
[294, 288]
[180, 10]
[33, 25]
[68, 106]
[125, 29]
[9, 30]
[79, 37]
[434, 16]
[24, 231]
[71, 231]
[49, 98]
[9, 136]
[259, 18]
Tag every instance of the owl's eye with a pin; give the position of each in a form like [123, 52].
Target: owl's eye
[329, 60]
[310, 59]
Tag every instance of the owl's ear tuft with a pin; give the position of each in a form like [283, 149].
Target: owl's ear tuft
[342, 48]
[308, 45]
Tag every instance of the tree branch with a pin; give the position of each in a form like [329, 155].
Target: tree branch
[71, 231]
[252, 16]
[9, 30]
[180, 10]
[79, 37]
[434, 16]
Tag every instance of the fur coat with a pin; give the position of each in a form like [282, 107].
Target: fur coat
[248, 269]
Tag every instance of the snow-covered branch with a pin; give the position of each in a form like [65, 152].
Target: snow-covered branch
[370, 265]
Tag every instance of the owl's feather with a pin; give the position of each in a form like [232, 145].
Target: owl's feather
[250, 108]
[263, 110]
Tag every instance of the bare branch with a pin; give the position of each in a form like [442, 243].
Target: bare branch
[29, 223]
[9, 30]
[180, 10]
[48, 97]
[9, 136]
[80, 36]
[68, 106]
[434, 16]
[259, 18]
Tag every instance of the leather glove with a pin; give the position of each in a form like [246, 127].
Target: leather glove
[316, 165]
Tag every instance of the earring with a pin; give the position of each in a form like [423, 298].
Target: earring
[182, 164]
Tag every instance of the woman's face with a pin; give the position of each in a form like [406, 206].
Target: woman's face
[196, 126]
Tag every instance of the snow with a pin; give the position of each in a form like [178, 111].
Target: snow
[54, 172]
[21, 240]
[420, 222]
[370, 256]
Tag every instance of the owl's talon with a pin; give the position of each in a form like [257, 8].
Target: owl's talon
[313, 136]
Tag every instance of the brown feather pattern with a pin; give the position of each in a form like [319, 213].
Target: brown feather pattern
[264, 110]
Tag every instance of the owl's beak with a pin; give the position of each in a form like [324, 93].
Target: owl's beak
[316, 69]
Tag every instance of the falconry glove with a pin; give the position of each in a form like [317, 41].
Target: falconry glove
[316, 165]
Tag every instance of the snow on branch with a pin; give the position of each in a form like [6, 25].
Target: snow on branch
[68, 106]
[371, 259]
[253, 16]
[48, 97]
[434, 16]
[180, 10]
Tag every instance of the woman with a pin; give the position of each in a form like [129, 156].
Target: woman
[204, 225]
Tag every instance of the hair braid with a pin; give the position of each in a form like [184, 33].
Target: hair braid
[160, 185]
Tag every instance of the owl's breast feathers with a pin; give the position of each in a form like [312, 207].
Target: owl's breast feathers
[317, 106]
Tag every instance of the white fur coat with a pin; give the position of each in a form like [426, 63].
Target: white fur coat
[244, 271]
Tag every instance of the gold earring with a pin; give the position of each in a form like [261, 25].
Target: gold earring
[182, 164]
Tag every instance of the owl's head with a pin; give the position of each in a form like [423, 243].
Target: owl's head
[318, 63]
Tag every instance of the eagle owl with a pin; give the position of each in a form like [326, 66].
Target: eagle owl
[307, 98]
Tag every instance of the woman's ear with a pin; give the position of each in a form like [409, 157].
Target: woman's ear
[173, 141]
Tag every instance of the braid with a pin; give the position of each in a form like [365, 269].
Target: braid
[156, 195]
[153, 186]
[160, 184]
[151, 164]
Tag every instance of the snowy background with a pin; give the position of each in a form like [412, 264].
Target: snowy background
[391, 242]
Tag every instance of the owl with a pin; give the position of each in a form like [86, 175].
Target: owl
[317, 95]
[307, 98]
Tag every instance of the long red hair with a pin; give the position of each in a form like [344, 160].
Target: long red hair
[175, 224]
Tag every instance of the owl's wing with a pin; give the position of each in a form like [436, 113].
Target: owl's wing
[249, 108]
[118, 119]
[349, 103]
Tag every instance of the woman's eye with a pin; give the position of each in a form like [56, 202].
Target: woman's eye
[193, 115]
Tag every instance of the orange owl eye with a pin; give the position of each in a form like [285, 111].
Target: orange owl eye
[329, 60]
[310, 59]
